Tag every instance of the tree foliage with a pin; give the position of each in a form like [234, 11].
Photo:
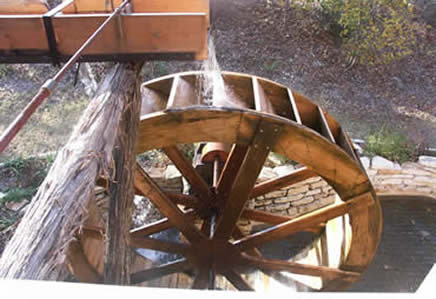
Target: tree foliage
[373, 31]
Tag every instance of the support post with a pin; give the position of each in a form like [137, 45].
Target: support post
[117, 251]
[39, 246]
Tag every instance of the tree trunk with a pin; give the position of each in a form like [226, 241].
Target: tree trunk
[38, 248]
[117, 251]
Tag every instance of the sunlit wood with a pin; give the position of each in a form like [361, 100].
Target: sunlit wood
[152, 191]
[303, 222]
[292, 178]
[160, 271]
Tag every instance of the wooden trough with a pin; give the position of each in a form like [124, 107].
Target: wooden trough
[156, 29]
[254, 116]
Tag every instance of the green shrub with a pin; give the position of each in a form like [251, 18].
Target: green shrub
[372, 31]
[389, 144]
[18, 194]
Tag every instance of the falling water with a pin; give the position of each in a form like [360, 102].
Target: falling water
[214, 90]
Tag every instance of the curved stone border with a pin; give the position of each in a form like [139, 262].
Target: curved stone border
[411, 178]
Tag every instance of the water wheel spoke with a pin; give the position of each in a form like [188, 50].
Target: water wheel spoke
[155, 227]
[151, 228]
[237, 281]
[160, 271]
[292, 178]
[188, 201]
[151, 190]
[230, 169]
[269, 218]
[159, 245]
[303, 223]
[303, 269]
[246, 178]
[201, 280]
[185, 167]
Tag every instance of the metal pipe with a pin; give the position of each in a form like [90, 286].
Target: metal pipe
[48, 87]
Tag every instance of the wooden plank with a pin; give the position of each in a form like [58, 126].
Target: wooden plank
[237, 281]
[159, 245]
[307, 110]
[303, 269]
[265, 217]
[121, 192]
[230, 169]
[152, 101]
[261, 102]
[185, 167]
[295, 113]
[173, 92]
[304, 222]
[149, 189]
[22, 33]
[157, 226]
[92, 6]
[294, 177]
[160, 271]
[201, 279]
[188, 201]
[23, 7]
[188, 126]
[277, 97]
[345, 143]
[87, 6]
[239, 90]
[183, 93]
[246, 178]
[171, 6]
[151, 228]
[157, 32]
[325, 129]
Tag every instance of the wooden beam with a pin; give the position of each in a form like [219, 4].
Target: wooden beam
[325, 129]
[304, 222]
[261, 102]
[269, 218]
[58, 208]
[157, 226]
[160, 271]
[185, 167]
[121, 192]
[295, 111]
[296, 268]
[151, 228]
[151, 190]
[188, 201]
[294, 177]
[246, 178]
[230, 169]
[159, 245]
[237, 281]
[201, 280]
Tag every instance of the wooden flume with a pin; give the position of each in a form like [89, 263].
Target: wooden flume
[259, 117]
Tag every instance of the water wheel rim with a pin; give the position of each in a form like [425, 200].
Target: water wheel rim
[168, 126]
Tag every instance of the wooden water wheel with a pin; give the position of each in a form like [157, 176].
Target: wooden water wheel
[251, 117]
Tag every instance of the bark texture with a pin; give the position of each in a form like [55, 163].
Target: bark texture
[38, 248]
[121, 192]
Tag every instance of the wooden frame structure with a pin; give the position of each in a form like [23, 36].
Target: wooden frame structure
[161, 29]
[255, 116]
